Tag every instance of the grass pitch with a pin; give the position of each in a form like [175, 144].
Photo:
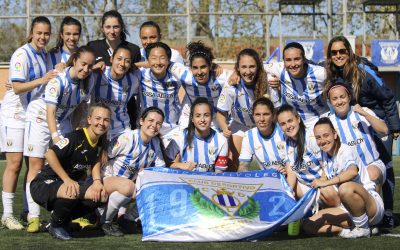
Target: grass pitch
[23, 240]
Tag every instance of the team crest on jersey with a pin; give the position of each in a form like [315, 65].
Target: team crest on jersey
[213, 201]
[212, 150]
[125, 89]
[30, 147]
[35, 64]
[9, 142]
[281, 146]
[169, 84]
[151, 155]
[240, 94]
[258, 147]
[222, 98]
[82, 92]
[214, 88]
[147, 81]
[18, 66]
[311, 86]
[62, 143]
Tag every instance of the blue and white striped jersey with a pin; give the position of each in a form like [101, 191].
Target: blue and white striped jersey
[116, 93]
[270, 152]
[53, 58]
[129, 154]
[305, 94]
[310, 167]
[161, 93]
[204, 151]
[238, 100]
[346, 157]
[355, 131]
[26, 65]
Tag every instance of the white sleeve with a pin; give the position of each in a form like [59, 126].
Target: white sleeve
[19, 66]
[225, 100]
[274, 68]
[346, 157]
[224, 148]
[53, 91]
[181, 72]
[176, 57]
[246, 153]
[121, 145]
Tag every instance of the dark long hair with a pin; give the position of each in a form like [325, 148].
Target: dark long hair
[301, 135]
[157, 110]
[351, 73]
[72, 59]
[158, 45]
[327, 121]
[116, 14]
[260, 78]
[191, 128]
[199, 50]
[66, 21]
[36, 20]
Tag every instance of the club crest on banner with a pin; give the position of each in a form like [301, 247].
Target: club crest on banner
[221, 201]
[385, 52]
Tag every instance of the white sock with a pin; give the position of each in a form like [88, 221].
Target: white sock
[344, 231]
[115, 201]
[121, 211]
[361, 221]
[34, 209]
[8, 200]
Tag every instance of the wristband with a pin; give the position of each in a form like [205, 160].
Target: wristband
[54, 135]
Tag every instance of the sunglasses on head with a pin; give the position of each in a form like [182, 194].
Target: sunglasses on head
[339, 51]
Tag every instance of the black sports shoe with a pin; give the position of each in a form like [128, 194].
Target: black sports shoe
[387, 222]
[110, 230]
[59, 233]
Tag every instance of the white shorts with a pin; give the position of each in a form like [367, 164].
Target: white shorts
[36, 139]
[171, 135]
[12, 139]
[238, 129]
[380, 209]
[381, 167]
[110, 170]
[304, 188]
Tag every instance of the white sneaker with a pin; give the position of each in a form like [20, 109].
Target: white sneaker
[11, 223]
[357, 232]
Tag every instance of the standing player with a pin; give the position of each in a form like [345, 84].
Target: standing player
[199, 147]
[28, 75]
[67, 42]
[115, 86]
[369, 90]
[266, 141]
[301, 84]
[150, 33]
[345, 172]
[356, 127]
[132, 151]
[50, 117]
[61, 187]
[238, 101]
[301, 149]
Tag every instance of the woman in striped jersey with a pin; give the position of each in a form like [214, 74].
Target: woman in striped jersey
[116, 85]
[357, 126]
[67, 43]
[238, 101]
[28, 77]
[199, 79]
[199, 147]
[131, 152]
[302, 151]
[266, 141]
[50, 117]
[361, 204]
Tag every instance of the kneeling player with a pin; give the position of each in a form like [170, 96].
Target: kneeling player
[60, 187]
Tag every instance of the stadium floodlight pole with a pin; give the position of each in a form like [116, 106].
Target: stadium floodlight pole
[344, 3]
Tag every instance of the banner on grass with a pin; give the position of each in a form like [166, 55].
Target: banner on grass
[184, 206]
[313, 48]
[385, 52]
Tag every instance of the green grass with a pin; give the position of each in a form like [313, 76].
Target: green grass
[23, 240]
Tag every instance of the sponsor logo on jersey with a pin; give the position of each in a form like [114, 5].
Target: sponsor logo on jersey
[355, 142]
[53, 91]
[84, 151]
[222, 99]
[273, 163]
[18, 66]
[17, 117]
[39, 120]
[62, 143]
[49, 181]
[158, 95]
[212, 196]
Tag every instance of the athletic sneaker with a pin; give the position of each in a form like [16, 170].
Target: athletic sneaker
[33, 225]
[357, 232]
[387, 222]
[11, 223]
[110, 230]
[59, 233]
[83, 222]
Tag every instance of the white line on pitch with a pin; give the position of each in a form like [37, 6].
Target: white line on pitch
[391, 235]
